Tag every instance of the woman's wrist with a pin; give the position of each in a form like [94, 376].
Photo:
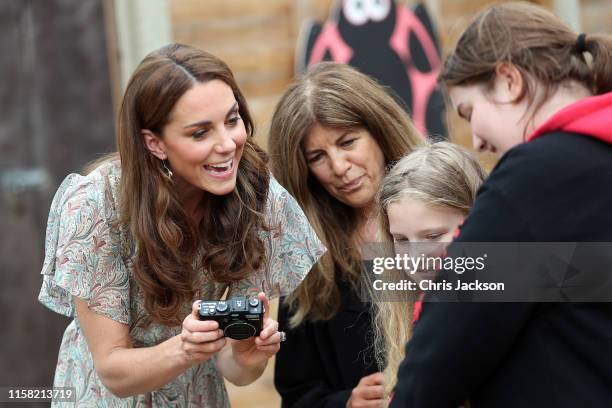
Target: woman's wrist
[259, 365]
[251, 372]
[174, 353]
[237, 370]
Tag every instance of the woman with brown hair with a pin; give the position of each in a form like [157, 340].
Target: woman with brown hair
[539, 95]
[186, 210]
[332, 136]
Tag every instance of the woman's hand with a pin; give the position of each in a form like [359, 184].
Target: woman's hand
[255, 351]
[368, 393]
[200, 339]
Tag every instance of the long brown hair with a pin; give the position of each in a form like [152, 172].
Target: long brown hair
[543, 48]
[445, 176]
[336, 96]
[166, 240]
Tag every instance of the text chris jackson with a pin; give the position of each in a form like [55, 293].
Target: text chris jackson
[427, 285]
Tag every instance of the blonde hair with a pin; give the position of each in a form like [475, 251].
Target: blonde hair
[336, 96]
[443, 175]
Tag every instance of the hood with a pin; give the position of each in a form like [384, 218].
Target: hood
[590, 116]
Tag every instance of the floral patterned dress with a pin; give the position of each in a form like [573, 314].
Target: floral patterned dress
[88, 256]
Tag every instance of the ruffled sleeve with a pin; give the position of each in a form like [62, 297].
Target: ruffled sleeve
[83, 250]
[292, 248]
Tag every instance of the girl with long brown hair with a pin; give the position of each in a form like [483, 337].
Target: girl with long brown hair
[185, 210]
[539, 95]
[332, 136]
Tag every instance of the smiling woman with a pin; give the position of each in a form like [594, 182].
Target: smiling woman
[203, 141]
[186, 210]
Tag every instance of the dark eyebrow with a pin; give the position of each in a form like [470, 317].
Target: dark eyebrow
[207, 122]
[348, 131]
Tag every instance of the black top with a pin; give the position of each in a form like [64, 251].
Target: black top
[557, 188]
[320, 363]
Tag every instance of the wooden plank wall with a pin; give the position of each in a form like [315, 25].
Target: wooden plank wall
[596, 16]
[257, 39]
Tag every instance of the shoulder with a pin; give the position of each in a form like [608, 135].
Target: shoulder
[538, 183]
[547, 162]
[279, 199]
[97, 190]
[275, 189]
[552, 152]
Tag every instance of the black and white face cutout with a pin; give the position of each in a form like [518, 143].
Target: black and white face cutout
[359, 12]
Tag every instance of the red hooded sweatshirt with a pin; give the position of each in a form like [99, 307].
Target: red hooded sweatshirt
[590, 116]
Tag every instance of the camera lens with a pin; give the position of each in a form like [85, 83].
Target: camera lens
[239, 331]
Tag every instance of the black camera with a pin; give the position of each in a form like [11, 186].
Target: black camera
[239, 317]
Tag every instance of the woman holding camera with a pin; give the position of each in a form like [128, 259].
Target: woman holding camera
[185, 210]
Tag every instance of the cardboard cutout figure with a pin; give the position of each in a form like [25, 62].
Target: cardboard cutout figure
[390, 42]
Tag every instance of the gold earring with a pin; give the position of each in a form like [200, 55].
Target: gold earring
[166, 170]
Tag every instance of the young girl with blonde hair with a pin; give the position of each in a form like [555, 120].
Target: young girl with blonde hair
[422, 200]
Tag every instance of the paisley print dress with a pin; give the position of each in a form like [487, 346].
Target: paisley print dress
[89, 256]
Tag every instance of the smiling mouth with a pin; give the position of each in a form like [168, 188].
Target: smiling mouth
[220, 169]
[352, 185]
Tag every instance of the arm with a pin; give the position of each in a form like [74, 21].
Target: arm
[127, 371]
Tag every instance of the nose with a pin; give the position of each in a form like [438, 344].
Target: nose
[339, 164]
[478, 143]
[225, 144]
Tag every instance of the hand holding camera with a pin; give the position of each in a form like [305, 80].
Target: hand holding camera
[199, 340]
[239, 317]
[256, 350]
[253, 335]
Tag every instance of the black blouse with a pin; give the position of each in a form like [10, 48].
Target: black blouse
[320, 363]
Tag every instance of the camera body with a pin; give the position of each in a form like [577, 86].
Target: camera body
[239, 317]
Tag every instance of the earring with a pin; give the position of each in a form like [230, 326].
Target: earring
[166, 170]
